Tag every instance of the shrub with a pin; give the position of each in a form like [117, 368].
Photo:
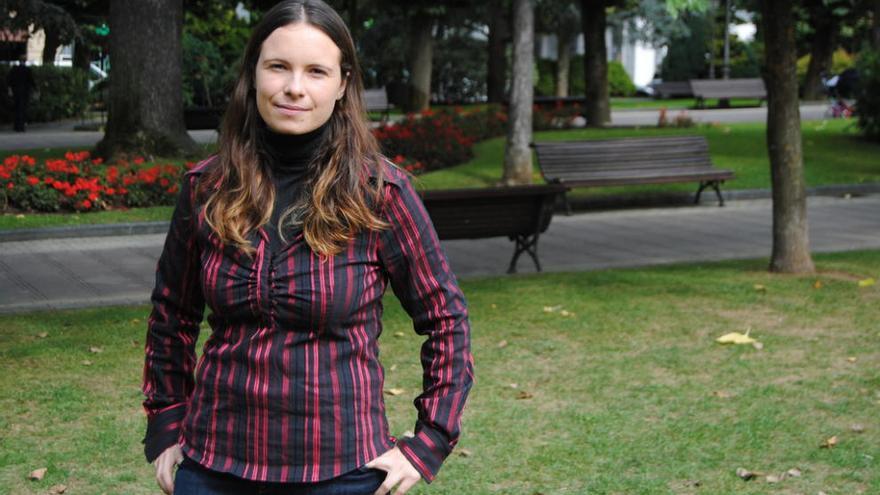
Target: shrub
[619, 82]
[60, 93]
[868, 99]
[840, 61]
[430, 137]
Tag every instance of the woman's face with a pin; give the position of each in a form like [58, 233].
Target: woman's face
[298, 79]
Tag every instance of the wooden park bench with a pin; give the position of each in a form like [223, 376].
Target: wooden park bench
[520, 213]
[376, 100]
[673, 89]
[625, 161]
[727, 88]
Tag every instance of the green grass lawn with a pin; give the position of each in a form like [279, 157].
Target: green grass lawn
[834, 153]
[629, 394]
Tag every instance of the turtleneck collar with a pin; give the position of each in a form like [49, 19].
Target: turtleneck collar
[293, 151]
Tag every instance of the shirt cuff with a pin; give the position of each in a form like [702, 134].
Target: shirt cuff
[163, 430]
[425, 452]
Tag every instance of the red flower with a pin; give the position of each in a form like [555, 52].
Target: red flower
[10, 185]
[86, 204]
[138, 160]
[399, 159]
[33, 180]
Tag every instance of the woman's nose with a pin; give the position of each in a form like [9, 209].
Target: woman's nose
[294, 84]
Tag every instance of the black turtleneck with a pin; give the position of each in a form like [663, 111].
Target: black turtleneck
[289, 156]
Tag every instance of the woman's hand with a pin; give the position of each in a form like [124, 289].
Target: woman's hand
[399, 471]
[165, 467]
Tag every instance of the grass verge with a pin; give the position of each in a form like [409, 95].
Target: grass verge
[630, 393]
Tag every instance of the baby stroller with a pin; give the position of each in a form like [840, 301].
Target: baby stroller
[840, 88]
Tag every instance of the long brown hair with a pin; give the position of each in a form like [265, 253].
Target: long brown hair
[338, 199]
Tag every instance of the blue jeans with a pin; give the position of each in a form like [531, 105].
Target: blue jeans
[193, 479]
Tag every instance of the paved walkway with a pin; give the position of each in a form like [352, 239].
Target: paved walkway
[63, 135]
[61, 273]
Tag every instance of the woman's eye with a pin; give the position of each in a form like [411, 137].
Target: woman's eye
[319, 71]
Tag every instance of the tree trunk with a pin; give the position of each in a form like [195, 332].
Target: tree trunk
[422, 59]
[53, 41]
[563, 63]
[146, 97]
[821, 53]
[791, 250]
[518, 154]
[82, 55]
[497, 64]
[598, 108]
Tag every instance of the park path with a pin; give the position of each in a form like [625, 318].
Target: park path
[63, 135]
[78, 272]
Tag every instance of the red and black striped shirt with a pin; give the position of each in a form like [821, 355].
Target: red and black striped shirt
[289, 384]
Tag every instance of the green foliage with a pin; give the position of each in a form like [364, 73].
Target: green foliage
[214, 39]
[545, 77]
[60, 93]
[206, 78]
[686, 56]
[459, 67]
[619, 82]
[868, 102]
[840, 61]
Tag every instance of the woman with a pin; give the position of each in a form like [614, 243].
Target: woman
[290, 235]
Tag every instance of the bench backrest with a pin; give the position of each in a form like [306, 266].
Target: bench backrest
[729, 88]
[491, 212]
[673, 88]
[567, 160]
[376, 99]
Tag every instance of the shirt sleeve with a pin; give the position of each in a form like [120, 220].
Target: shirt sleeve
[428, 291]
[173, 328]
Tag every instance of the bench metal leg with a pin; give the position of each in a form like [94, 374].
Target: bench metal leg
[714, 184]
[528, 244]
[566, 203]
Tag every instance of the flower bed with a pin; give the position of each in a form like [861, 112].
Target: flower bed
[79, 183]
[444, 138]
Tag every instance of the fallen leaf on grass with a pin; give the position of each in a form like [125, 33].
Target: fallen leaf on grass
[552, 309]
[772, 478]
[566, 313]
[760, 288]
[746, 474]
[867, 282]
[857, 428]
[95, 350]
[19, 216]
[86, 362]
[394, 391]
[736, 338]
[852, 359]
[493, 306]
[37, 474]
[758, 345]
[721, 394]
[502, 344]
[817, 284]
[829, 442]
[57, 489]
[524, 395]
[514, 385]
[43, 335]
[464, 452]
[794, 473]
[393, 367]
[399, 334]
